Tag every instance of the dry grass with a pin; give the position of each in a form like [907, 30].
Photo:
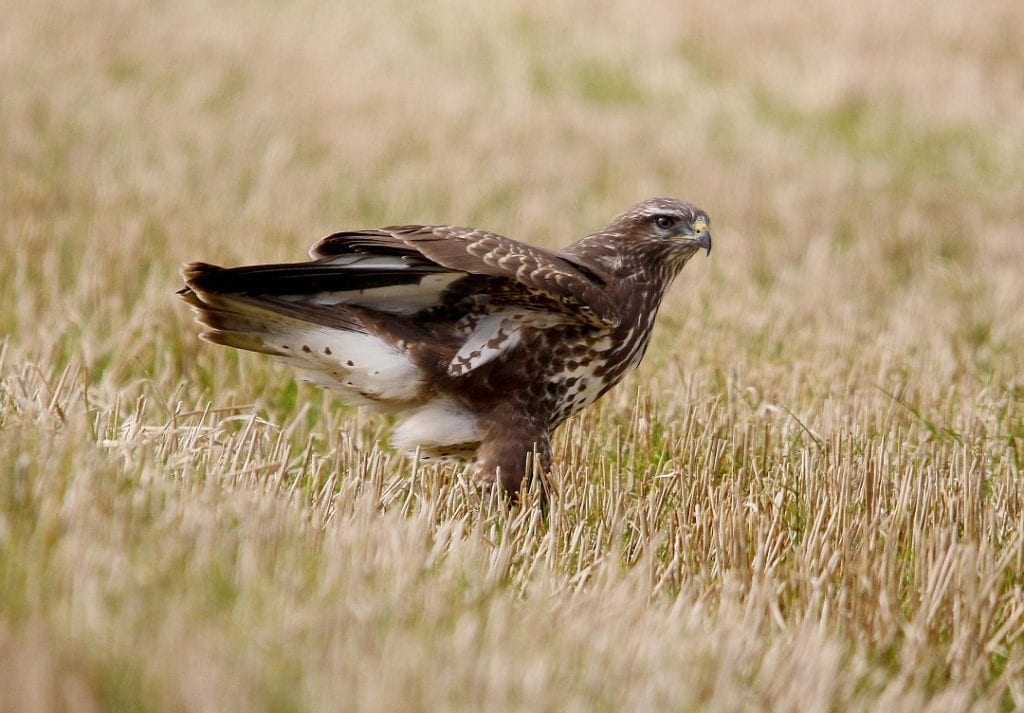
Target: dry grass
[809, 497]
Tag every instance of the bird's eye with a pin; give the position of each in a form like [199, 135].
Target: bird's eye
[663, 222]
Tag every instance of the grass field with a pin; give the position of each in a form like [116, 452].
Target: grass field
[807, 498]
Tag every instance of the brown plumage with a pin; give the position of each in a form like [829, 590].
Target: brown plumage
[483, 343]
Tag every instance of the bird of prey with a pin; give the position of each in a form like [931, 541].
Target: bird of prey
[483, 344]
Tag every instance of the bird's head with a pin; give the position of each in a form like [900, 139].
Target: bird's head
[665, 221]
[659, 232]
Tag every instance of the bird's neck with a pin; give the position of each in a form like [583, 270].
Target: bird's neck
[615, 259]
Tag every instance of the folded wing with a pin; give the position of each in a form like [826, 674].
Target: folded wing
[571, 287]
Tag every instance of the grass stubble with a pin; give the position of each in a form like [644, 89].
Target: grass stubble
[807, 498]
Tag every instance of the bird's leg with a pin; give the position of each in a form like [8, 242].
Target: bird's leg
[512, 444]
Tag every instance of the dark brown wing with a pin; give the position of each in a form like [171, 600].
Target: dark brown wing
[479, 252]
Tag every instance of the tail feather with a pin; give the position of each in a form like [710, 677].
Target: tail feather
[242, 340]
[248, 308]
[337, 275]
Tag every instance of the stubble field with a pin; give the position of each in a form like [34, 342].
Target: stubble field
[807, 498]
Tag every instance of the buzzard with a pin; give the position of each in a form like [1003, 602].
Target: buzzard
[483, 344]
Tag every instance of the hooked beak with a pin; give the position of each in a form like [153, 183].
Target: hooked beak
[704, 241]
[702, 236]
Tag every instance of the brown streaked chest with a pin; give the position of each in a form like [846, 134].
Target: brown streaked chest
[586, 364]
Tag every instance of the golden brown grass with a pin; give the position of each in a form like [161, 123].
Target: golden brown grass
[809, 497]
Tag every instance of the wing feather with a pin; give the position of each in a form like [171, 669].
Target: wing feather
[570, 288]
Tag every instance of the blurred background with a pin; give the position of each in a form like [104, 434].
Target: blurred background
[807, 496]
[863, 167]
